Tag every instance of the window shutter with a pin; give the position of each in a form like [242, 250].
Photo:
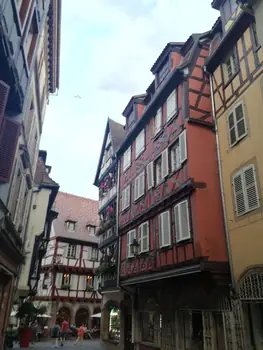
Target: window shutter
[124, 199]
[171, 106]
[20, 203]
[183, 147]
[150, 175]
[4, 92]
[158, 121]
[239, 194]
[140, 238]
[128, 244]
[177, 223]
[8, 142]
[128, 192]
[166, 229]
[160, 222]
[251, 187]
[141, 184]
[184, 220]
[145, 240]
[232, 128]
[240, 120]
[165, 169]
[74, 282]
[136, 188]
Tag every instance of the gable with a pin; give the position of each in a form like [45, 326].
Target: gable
[107, 156]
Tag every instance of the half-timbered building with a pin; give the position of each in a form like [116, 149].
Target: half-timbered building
[236, 67]
[68, 285]
[173, 260]
[106, 180]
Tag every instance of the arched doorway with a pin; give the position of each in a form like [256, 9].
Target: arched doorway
[82, 317]
[96, 320]
[63, 313]
[111, 321]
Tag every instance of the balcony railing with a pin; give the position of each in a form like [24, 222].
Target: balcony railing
[107, 197]
[106, 166]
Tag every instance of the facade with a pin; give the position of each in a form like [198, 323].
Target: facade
[29, 55]
[173, 261]
[107, 181]
[236, 68]
[68, 285]
[41, 216]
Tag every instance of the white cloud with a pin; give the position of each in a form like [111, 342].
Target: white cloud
[108, 48]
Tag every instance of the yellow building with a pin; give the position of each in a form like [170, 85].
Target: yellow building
[236, 76]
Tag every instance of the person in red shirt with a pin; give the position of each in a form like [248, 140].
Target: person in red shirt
[64, 331]
[80, 335]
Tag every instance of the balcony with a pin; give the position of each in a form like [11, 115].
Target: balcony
[107, 197]
[109, 280]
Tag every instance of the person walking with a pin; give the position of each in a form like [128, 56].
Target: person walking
[64, 332]
[55, 334]
[80, 335]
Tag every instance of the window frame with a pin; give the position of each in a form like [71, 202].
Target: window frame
[68, 223]
[66, 277]
[141, 136]
[158, 114]
[128, 243]
[233, 65]
[172, 150]
[137, 183]
[126, 166]
[127, 189]
[233, 112]
[72, 251]
[174, 112]
[178, 233]
[158, 161]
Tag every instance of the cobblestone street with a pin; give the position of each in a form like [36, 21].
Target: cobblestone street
[87, 344]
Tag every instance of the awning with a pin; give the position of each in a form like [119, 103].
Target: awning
[44, 316]
[96, 315]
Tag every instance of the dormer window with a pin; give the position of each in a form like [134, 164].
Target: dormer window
[71, 225]
[163, 72]
[228, 9]
[91, 229]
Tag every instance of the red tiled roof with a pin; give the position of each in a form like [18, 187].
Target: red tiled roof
[83, 211]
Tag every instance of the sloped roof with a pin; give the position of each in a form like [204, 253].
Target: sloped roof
[83, 211]
[117, 132]
[41, 175]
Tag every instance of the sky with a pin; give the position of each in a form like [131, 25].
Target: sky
[107, 50]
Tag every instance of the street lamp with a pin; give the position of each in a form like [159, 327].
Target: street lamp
[135, 247]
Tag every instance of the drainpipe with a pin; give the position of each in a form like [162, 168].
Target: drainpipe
[222, 188]
[117, 225]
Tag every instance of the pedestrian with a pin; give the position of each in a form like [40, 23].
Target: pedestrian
[55, 334]
[64, 331]
[80, 335]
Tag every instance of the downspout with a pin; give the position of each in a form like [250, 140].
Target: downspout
[117, 225]
[222, 188]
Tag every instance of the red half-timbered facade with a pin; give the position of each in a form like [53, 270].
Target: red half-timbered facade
[68, 282]
[173, 259]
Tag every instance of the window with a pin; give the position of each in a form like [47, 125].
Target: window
[72, 248]
[165, 165]
[158, 121]
[143, 237]
[182, 223]
[163, 72]
[89, 283]
[150, 177]
[91, 229]
[127, 159]
[228, 8]
[230, 66]
[237, 124]
[140, 143]
[246, 190]
[126, 198]
[131, 236]
[171, 106]
[94, 254]
[66, 279]
[71, 226]
[164, 229]
[139, 186]
[178, 152]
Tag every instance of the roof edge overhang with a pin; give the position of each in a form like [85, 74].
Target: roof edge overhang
[134, 99]
[170, 47]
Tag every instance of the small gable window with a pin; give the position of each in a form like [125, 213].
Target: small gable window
[163, 72]
[71, 225]
[91, 229]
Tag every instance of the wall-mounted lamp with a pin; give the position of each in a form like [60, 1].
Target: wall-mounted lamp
[135, 247]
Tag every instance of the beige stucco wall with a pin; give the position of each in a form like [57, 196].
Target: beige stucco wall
[35, 227]
[246, 237]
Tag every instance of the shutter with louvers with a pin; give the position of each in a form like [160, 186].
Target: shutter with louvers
[140, 238]
[124, 199]
[141, 184]
[239, 194]
[165, 168]
[136, 188]
[160, 226]
[183, 147]
[240, 121]
[8, 143]
[58, 280]
[4, 92]
[251, 187]
[145, 236]
[128, 191]
[150, 175]
[128, 244]
[184, 220]
[177, 223]
[166, 233]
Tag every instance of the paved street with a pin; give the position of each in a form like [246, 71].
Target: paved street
[87, 344]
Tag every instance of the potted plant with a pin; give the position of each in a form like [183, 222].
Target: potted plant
[27, 313]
